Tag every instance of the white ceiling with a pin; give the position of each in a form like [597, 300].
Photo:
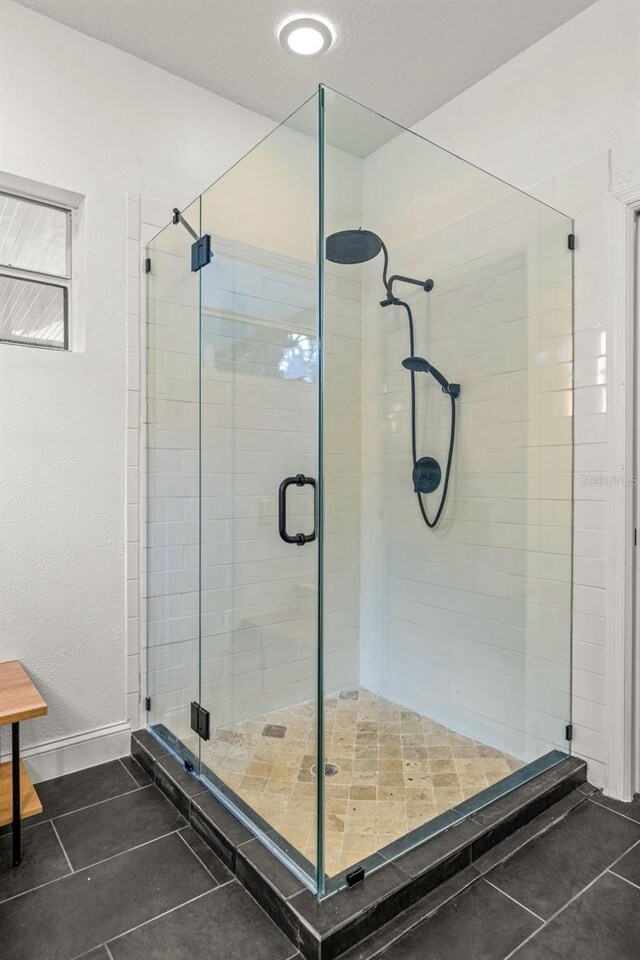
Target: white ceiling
[403, 58]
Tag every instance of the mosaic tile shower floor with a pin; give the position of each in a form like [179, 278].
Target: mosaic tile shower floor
[396, 770]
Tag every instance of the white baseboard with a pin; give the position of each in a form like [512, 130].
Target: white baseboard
[57, 757]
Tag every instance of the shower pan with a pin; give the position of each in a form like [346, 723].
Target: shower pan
[350, 672]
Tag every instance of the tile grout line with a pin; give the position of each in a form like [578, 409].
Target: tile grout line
[617, 812]
[26, 827]
[139, 785]
[539, 833]
[270, 918]
[31, 826]
[417, 923]
[513, 899]
[198, 858]
[158, 916]
[626, 880]
[572, 900]
[66, 855]
[146, 922]
[88, 806]
[90, 866]
[153, 760]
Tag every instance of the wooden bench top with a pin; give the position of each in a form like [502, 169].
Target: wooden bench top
[20, 699]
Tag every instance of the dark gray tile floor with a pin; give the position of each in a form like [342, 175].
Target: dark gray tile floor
[569, 891]
[111, 871]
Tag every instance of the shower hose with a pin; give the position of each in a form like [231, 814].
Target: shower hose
[452, 432]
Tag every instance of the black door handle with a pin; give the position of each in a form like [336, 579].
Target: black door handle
[299, 481]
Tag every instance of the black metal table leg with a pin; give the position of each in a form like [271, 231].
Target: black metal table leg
[15, 777]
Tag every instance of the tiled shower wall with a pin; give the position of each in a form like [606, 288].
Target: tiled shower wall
[470, 623]
[488, 624]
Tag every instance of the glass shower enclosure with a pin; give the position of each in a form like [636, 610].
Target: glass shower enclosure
[358, 588]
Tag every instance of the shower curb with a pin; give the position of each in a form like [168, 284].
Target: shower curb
[325, 930]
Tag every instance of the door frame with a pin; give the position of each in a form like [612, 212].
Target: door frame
[623, 678]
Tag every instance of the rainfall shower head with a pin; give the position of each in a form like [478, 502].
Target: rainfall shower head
[353, 246]
[358, 246]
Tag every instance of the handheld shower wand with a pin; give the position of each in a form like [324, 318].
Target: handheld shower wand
[420, 365]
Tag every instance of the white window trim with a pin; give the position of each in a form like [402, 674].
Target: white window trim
[73, 204]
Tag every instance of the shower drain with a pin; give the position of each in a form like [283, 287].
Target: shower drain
[330, 769]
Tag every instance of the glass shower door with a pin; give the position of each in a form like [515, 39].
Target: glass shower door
[258, 470]
[447, 476]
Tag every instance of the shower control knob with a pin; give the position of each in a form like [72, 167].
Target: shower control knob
[426, 475]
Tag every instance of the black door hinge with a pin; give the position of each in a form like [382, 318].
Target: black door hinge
[188, 765]
[201, 253]
[568, 732]
[356, 876]
[200, 721]
[147, 704]
[571, 241]
[147, 265]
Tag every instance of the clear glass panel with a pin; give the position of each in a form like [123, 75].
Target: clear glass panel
[33, 236]
[32, 312]
[442, 668]
[259, 357]
[446, 648]
[172, 424]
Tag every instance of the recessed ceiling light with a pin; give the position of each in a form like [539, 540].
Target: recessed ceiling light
[306, 36]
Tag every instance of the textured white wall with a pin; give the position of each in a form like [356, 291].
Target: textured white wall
[563, 121]
[81, 115]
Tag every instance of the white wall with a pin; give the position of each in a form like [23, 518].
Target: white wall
[565, 115]
[81, 115]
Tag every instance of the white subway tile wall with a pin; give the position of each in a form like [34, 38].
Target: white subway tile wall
[469, 623]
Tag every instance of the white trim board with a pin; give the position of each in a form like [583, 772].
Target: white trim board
[621, 773]
[68, 754]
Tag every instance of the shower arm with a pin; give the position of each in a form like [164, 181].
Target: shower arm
[388, 282]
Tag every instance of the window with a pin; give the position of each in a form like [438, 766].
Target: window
[35, 272]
